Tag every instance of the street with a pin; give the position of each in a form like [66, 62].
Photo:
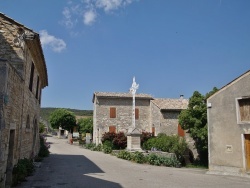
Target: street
[71, 166]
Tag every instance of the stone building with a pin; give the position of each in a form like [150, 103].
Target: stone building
[23, 75]
[229, 128]
[113, 113]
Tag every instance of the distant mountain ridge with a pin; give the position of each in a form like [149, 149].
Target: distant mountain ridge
[46, 111]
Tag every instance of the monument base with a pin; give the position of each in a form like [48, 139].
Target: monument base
[134, 140]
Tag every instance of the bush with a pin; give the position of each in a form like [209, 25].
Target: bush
[124, 155]
[97, 148]
[138, 157]
[145, 136]
[23, 168]
[90, 146]
[153, 159]
[170, 161]
[171, 144]
[108, 136]
[44, 148]
[118, 140]
[107, 149]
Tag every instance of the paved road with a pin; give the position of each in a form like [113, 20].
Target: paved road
[71, 166]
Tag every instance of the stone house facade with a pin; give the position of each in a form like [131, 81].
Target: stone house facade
[113, 113]
[228, 112]
[23, 75]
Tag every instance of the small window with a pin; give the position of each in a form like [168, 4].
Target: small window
[28, 122]
[244, 110]
[136, 113]
[112, 129]
[31, 76]
[112, 113]
[37, 87]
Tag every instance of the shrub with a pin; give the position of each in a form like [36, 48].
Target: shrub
[107, 143]
[23, 168]
[97, 148]
[153, 159]
[170, 161]
[107, 149]
[124, 155]
[145, 136]
[172, 144]
[108, 136]
[118, 140]
[90, 146]
[44, 148]
[138, 157]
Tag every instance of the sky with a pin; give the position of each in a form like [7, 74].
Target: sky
[171, 47]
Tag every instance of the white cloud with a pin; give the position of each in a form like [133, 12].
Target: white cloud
[89, 9]
[109, 5]
[57, 45]
[67, 20]
[89, 17]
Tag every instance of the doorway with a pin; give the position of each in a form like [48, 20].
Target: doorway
[10, 158]
[247, 150]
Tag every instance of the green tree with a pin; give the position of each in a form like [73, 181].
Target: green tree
[85, 125]
[194, 119]
[62, 118]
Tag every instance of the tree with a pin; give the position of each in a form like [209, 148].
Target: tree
[62, 118]
[194, 119]
[85, 125]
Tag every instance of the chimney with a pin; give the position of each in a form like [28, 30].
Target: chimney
[181, 97]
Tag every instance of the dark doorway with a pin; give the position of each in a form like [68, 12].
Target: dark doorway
[10, 158]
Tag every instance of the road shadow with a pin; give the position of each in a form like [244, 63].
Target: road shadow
[68, 171]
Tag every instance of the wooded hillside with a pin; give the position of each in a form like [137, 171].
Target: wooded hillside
[45, 112]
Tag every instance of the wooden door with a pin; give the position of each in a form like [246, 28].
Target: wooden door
[247, 149]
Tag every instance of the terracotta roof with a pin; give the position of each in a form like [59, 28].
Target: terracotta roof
[120, 95]
[171, 104]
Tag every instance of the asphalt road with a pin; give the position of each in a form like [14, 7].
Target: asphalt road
[71, 166]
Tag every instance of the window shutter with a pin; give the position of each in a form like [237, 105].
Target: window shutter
[181, 132]
[112, 129]
[244, 109]
[136, 113]
[112, 113]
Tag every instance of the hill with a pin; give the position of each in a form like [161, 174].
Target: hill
[45, 112]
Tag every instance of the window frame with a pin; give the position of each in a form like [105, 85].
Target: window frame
[238, 114]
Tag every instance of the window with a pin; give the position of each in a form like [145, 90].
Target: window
[40, 92]
[31, 76]
[136, 113]
[112, 129]
[244, 110]
[112, 113]
[37, 87]
[28, 122]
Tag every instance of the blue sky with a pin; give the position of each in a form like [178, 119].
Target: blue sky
[172, 47]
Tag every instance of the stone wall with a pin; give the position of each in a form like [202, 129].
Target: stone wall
[164, 121]
[19, 107]
[123, 118]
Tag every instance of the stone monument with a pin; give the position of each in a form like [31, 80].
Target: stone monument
[133, 135]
